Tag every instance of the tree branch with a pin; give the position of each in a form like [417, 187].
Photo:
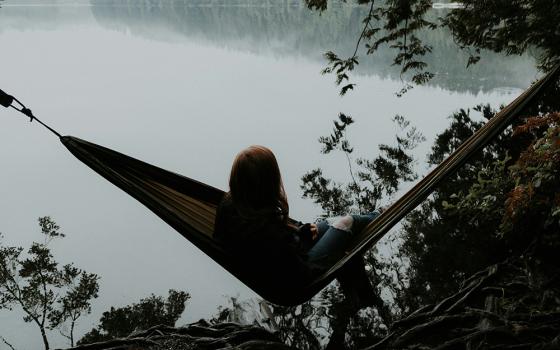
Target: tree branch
[6, 342]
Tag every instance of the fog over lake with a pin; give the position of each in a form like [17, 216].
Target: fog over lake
[185, 85]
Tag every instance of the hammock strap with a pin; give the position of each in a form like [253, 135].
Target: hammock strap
[8, 101]
[422, 190]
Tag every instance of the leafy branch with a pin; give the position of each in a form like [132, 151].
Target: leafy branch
[377, 179]
[397, 22]
[7, 343]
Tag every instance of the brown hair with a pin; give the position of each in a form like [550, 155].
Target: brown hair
[255, 184]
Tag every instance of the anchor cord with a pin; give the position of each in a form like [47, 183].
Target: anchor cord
[8, 101]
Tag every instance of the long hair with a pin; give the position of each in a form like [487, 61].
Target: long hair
[255, 185]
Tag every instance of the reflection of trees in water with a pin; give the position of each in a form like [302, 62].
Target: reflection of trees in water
[289, 28]
[30, 15]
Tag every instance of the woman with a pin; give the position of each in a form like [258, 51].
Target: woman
[253, 223]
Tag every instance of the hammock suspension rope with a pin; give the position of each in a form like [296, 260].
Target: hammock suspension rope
[8, 101]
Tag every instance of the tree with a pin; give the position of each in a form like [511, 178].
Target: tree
[516, 203]
[47, 294]
[508, 27]
[76, 302]
[375, 181]
[448, 237]
[148, 312]
[440, 246]
[373, 184]
[444, 246]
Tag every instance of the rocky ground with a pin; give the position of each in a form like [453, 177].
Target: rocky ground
[200, 335]
[511, 305]
[506, 306]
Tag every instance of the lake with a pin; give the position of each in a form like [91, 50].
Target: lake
[185, 85]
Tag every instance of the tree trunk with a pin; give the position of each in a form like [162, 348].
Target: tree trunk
[45, 340]
[339, 324]
[72, 333]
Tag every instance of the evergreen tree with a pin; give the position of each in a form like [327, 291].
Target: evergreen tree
[154, 310]
[47, 294]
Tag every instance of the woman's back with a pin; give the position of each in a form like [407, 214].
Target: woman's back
[267, 248]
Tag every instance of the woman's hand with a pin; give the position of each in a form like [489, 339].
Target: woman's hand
[314, 231]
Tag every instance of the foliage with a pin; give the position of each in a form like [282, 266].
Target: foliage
[392, 23]
[375, 181]
[298, 326]
[49, 295]
[76, 302]
[505, 27]
[535, 199]
[515, 203]
[503, 203]
[348, 328]
[510, 27]
[524, 195]
[443, 247]
[309, 325]
[454, 233]
[151, 311]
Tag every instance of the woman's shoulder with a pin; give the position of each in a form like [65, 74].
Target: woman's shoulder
[226, 201]
[225, 212]
[231, 224]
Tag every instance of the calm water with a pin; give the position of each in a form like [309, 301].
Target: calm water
[186, 86]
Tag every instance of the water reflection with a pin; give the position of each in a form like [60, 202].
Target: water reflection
[288, 28]
[278, 28]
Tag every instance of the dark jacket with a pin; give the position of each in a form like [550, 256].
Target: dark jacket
[273, 253]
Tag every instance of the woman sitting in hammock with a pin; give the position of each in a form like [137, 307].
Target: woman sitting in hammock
[252, 223]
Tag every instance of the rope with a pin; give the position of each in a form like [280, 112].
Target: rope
[8, 101]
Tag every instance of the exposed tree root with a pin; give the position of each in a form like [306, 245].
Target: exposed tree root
[200, 335]
[506, 306]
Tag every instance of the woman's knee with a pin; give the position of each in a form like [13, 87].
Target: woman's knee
[362, 220]
[344, 223]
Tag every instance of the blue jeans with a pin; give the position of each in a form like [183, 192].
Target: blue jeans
[332, 243]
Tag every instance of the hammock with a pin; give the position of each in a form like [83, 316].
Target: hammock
[190, 206]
